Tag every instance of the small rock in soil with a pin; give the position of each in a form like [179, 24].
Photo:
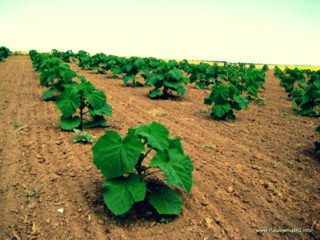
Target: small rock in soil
[270, 199]
[27, 144]
[205, 202]
[256, 167]
[101, 222]
[89, 167]
[230, 189]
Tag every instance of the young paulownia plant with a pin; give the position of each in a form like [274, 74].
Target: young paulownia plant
[131, 67]
[83, 96]
[168, 76]
[126, 179]
[225, 99]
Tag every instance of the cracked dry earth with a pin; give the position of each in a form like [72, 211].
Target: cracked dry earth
[256, 172]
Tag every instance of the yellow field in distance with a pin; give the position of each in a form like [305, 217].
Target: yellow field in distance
[259, 66]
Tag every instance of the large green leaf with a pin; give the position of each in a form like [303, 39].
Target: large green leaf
[171, 84]
[126, 78]
[181, 90]
[48, 94]
[176, 143]
[175, 74]
[154, 93]
[201, 85]
[176, 166]
[120, 194]
[82, 78]
[220, 93]
[69, 123]
[66, 73]
[166, 201]
[139, 63]
[253, 89]
[116, 70]
[185, 80]
[243, 102]
[221, 109]
[155, 78]
[46, 77]
[114, 156]
[97, 99]
[155, 134]
[234, 91]
[69, 101]
[106, 109]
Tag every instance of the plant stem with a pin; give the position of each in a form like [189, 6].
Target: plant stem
[138, 165]
[81, 110]
[148, 152]
[165, 90]
[242, 81]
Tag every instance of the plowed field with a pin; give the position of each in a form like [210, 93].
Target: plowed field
[257, 172]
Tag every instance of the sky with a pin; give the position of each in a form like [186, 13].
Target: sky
[252, 31]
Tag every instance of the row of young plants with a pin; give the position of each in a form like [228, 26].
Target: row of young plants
[71, 97]
[4, 53]
[127, 180]
[228, 82]
[306, 96]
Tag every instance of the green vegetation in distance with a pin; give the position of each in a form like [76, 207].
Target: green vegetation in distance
[307, 95]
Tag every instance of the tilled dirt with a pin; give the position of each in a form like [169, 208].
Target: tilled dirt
[257, 172]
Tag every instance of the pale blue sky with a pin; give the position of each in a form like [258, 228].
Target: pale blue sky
[269, 31]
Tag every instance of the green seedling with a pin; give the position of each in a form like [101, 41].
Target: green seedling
[203, 110]
[260, 101]
[275, 193]
[82, 137]
[206, 146]
[16, 125]
[166, 219]
[31, 195]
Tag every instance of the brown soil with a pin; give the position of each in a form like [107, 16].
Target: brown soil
[257, 172]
